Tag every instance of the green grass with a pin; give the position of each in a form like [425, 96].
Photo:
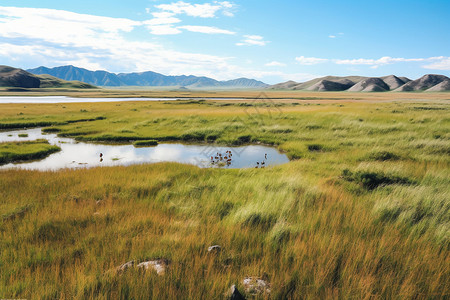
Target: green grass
[145, 143]
[362, 211]
[24, 151]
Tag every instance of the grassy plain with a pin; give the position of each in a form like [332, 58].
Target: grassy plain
[361, 212]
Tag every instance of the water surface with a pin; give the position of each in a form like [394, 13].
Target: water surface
[63, 99]
[75, 154]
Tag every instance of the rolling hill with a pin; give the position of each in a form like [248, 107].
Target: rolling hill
[18, 78]
[370, 85]
[328, 85]
[103, 78]
[429, 83]
[12, 77]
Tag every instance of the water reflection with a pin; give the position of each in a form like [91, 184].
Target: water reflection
[63, 99]
[81, 155]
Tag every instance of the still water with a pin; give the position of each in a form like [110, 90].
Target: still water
[63, 99]
[75, 154]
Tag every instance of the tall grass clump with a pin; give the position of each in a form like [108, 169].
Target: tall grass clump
[24, 151]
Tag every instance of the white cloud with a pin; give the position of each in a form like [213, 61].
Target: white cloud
[334, 36]
[252, 40]
[207, 10]
[435, 63]
[441, 63]
[32, 37]
[275, 64]
[163, 29]
[206, 29]
[61, 27]
[162, 21]
[308, 61]
[386, 60]
[56, 37]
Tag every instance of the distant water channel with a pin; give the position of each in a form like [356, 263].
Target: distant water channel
[63, 99]
[75, 154]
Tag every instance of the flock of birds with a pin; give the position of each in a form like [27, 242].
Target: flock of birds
[224, 159]
[227, 159]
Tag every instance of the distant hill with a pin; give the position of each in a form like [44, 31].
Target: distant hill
[328, 85]
[284, 85]
[12, 77]
[18, 78]
[395, 82]
[370, 85]
[292, 85]
[103, 78]
[430, 83]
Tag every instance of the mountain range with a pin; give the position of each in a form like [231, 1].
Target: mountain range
[73, 77]
[18, 78]
[429, 82]
[103, 78]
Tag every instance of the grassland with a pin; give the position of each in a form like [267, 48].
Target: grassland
[23, 151]
[362, 211]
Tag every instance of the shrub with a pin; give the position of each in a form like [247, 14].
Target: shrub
[372, 180]
[243, 139]
[258, 220]
[315, 148]
[51, 129]
[383, 156]
[50, 231]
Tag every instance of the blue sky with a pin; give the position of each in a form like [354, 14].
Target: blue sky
[272, 41]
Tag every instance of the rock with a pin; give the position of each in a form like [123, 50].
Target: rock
[125, 266]
[214, 249]
[256, 286]
[159, 265]
[235, 294]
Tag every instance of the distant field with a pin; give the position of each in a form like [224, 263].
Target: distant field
[300, 95]
[361, 211]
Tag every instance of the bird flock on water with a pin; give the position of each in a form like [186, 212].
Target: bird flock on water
[227, 159]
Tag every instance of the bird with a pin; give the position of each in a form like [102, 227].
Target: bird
[101, 155]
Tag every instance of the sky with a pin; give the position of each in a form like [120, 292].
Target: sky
[271, 41]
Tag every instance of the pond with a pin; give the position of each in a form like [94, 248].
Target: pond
[75, 154]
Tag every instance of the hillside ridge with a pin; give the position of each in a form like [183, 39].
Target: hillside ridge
[428, 82]
[148, 78]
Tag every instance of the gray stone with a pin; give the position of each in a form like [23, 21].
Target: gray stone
[159, 265]
[125, 266]
[235, 294]
[214, 249]
[256, 286]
